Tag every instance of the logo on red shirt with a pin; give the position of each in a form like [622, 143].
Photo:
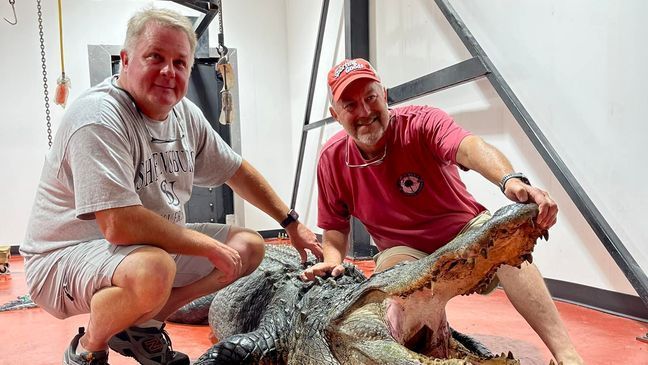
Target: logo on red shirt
[410, 184]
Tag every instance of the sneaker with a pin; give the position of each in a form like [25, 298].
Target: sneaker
[149, 346]
[70, 356]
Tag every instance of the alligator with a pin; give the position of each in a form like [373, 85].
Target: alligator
[393, 317]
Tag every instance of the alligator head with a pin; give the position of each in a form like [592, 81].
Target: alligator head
[394, 317]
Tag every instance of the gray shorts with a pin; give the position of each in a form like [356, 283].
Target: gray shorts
[63, 282]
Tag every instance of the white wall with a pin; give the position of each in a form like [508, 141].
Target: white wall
[574, 65]
[255, 28]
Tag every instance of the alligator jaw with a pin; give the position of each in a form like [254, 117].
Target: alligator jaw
[411, 298]
[468, 263]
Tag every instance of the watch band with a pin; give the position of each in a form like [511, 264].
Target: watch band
[291, 216]
[513, 175]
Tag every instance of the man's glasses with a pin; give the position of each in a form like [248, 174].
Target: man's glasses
[169, 140]
[366, 164]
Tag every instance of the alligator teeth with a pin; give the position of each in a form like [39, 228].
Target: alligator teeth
[528, 257]
[470, 262]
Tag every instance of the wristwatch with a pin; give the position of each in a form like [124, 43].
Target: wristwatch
[291, 216]
[513, 175]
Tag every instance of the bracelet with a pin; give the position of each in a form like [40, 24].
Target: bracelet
[513, 175]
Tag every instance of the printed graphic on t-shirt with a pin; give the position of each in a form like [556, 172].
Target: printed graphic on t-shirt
[166, 171]
[410, 184]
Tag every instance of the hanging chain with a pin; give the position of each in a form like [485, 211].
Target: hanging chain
[44, 66]
[221, 41]
[220, 17]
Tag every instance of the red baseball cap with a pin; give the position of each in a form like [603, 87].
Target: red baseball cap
[348, 71]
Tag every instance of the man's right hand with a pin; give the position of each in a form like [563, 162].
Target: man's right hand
[322, 269]
[228, 261]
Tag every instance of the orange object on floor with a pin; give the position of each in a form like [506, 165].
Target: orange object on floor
[32, 336]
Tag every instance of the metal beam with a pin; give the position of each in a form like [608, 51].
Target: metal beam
[309, 101]
[610, 240]
[454, 75]
[199, 5]
[356, 29]
[210, 8]
[356, 42]
[462, 72]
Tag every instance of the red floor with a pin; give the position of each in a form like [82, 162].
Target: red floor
[33, 337]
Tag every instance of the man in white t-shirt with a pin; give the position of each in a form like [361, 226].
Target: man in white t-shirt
[108, 233]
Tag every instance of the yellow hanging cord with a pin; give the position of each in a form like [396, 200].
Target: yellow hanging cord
[60, 16]
[62, 83]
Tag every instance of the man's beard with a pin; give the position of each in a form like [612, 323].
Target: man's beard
[373, 137]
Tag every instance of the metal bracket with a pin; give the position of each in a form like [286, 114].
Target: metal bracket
[210, 8]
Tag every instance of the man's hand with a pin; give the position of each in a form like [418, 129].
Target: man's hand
[228, 261]
[304, 239]
[322, 269]
[520, 192]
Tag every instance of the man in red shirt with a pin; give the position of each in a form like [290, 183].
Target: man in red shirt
[396, 170]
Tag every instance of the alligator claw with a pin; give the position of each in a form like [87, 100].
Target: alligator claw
[545, 235]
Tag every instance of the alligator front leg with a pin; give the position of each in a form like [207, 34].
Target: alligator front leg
[258, 347]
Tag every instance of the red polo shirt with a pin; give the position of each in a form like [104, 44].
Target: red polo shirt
[414, 197]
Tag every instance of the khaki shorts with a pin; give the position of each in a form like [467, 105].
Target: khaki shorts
[415, 254]
[63, 282]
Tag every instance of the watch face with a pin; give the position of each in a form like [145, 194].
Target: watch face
[290, 217]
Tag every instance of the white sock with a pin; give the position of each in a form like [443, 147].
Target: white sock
[150, 323]
[80, 349]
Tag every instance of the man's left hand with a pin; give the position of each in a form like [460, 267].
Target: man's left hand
[520, 192]
[304, 239]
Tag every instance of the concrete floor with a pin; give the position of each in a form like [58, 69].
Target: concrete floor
[31, 336]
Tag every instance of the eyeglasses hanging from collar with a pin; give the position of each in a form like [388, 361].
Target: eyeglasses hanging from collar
[166, 140]
[375, 162]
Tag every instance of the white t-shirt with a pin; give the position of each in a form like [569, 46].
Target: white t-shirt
[106, 154]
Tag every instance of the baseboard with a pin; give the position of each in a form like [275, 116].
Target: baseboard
[272, 233]
[276, 233]
[619, 304]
